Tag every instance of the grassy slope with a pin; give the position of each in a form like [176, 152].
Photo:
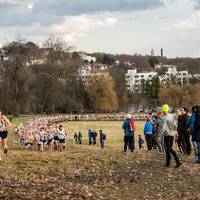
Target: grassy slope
[85, 172]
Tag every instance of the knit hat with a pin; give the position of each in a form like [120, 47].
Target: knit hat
[129, 116]
[165, 108]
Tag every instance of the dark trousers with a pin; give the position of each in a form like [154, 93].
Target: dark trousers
[128, 142]
[133, 143]
[180, 144]
[185, 143]
[168, 143]
[148, 138]
[140, 146]
[188, 147]
[94, 140]
[90, 140]
[102, 143]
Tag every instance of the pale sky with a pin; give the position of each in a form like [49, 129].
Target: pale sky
[112, 26]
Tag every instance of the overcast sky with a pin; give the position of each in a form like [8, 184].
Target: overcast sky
[112, 26]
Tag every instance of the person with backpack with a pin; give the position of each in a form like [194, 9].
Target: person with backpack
[94, 137]
[148, 130]
[167, 132]
[102, 138]
[129, 130]
[75, 138]
[80, 138]
[90, 136]
[156, 128]
[194, 124]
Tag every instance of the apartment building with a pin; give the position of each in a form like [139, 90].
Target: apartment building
[135, 82]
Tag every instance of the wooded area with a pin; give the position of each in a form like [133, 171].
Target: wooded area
[55, 85]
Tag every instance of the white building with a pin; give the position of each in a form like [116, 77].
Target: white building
[86, 57]
[172, 75]
[134, 80]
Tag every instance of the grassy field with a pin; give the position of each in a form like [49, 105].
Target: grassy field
[86, 172]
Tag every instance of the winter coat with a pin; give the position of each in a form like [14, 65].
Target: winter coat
[128, 127]
[148, 128]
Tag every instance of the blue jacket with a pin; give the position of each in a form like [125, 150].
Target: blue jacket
[148, 128]
[194, 128]
[127, 128]
[90, 133]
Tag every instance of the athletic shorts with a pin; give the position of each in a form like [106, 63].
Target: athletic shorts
[3, 134]
[62, 141]
[56, 138]
[49, 141]
[42, 141]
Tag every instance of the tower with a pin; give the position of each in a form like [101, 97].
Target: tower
[152, 52]
[161, 52]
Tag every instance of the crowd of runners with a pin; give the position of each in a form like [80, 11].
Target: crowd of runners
[105, 117]
[48, 134]
[160, 131]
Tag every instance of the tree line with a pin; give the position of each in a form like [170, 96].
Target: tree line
[46, 80]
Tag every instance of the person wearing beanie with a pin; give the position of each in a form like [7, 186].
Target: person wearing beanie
[168, 131]
[129, 130]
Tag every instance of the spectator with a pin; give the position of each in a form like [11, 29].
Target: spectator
[76, 138]
[194, 124]
[183, 130]
[148, 129]
[90, 135]
[140, 142]
[102, 138]
[80, 138]
[168, 131]
[128, 133]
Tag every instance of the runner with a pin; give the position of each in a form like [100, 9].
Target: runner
[4, 124]
[62, 137]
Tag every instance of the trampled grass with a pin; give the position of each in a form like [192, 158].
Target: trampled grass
[86, 172]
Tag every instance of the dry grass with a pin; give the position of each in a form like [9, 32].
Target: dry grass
[86, 172]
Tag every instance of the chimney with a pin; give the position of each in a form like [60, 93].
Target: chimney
[161, 52]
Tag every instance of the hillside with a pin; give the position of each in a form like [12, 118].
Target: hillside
[142, 62]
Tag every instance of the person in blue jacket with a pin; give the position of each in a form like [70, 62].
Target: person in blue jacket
[148, 130]
[128, 133]
[90, 135]
[194, 128]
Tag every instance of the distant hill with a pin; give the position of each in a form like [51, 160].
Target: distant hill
[142, 62]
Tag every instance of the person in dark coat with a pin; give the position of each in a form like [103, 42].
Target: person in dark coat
[183, 130]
